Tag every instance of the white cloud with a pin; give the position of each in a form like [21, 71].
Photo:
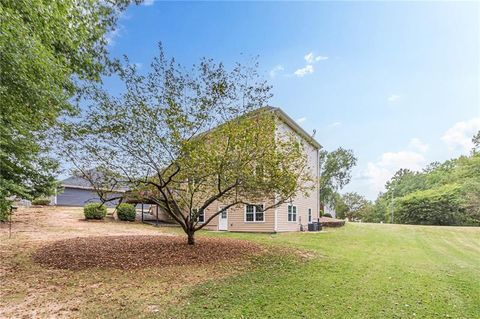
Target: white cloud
[459, 136]
[335, 124]
[379, 172]
[301, 120]
[308, 69]
[148, 2]
[276, 70]
[393, 98]
[417, 145]
[311, 58]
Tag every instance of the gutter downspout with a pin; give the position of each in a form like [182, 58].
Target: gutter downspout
[276, 216]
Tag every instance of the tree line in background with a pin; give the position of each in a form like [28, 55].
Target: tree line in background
[445, 193]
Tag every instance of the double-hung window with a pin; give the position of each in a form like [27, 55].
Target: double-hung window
[254, 213]
[309, 215]
[200, 216]
[292, 213]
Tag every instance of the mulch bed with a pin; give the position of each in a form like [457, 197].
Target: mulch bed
[133, 252]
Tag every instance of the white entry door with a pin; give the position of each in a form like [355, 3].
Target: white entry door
[223, 220]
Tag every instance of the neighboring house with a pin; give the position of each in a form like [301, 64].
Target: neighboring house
[292, 216]
[78, 191]
[330, 210]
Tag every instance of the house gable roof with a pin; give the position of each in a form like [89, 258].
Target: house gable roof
[292, 124]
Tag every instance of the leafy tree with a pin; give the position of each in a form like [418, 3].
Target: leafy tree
[367, 213]
[438, 206]
[335, 172]
[476, 143]
[47, 50]
[186, 139]
[380, 211]
[403, 182]
[340, 206]
[470, 194]
[356, 205]
[438, 174]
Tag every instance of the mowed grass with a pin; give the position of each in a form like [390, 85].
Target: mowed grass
[359, 271]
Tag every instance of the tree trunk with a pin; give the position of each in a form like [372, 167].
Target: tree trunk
[190, 237]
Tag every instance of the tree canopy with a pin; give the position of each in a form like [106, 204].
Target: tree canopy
[335, 169]
[445, 193]
[353, 206]
[47, 50]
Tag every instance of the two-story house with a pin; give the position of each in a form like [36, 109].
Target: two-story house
[292, 216]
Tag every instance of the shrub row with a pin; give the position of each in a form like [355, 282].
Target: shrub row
[334, 223]
[125, 212]
[41, 201]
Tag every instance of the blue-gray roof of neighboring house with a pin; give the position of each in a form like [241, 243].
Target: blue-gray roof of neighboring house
[82, 183]
[76, 181]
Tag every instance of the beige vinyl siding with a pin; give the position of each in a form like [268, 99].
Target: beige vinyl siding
[236, 219]
[213, 224]
[164, 217]
[303, 203]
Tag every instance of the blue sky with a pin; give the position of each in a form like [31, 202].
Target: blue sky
[396, 82]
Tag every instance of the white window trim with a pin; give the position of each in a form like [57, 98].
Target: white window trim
[309, 215]
[254, 216]
[296, 214]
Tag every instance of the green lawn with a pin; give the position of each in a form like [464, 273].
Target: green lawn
[359, 271]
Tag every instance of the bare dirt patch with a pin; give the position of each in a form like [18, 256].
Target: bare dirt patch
[133, 252]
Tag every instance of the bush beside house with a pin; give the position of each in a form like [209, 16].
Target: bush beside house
[95, 211]
[126, 212]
